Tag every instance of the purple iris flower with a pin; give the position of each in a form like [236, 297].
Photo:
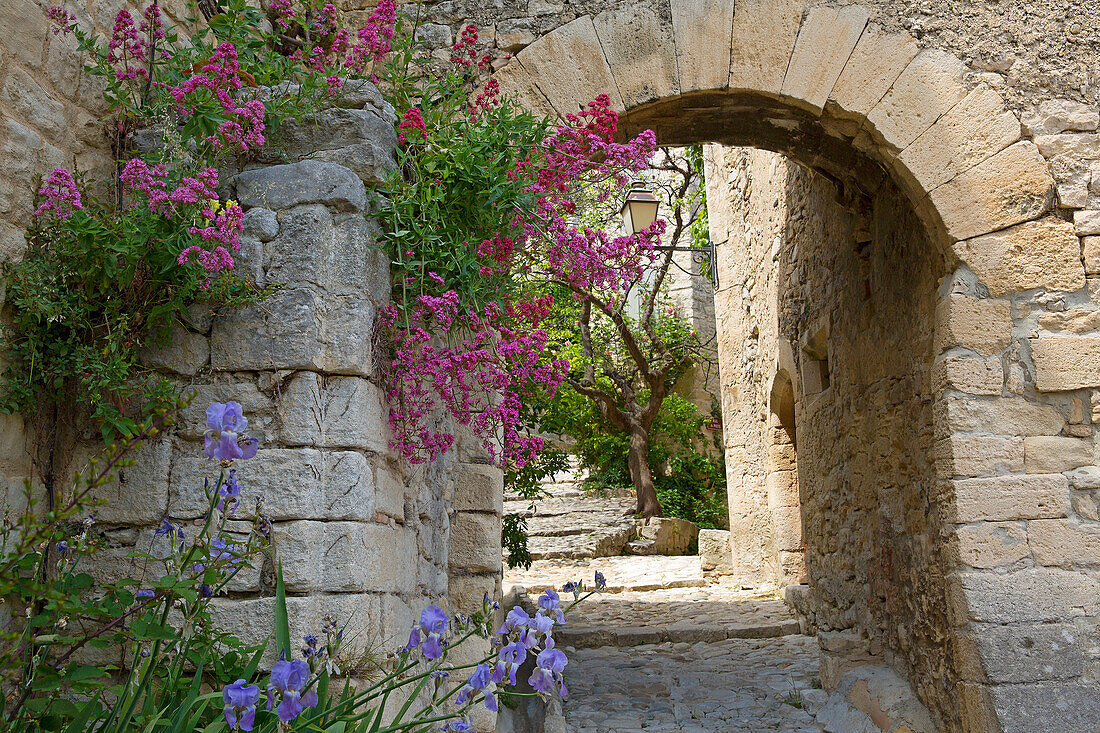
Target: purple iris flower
[517, 618]
[552, 604]
[224, 439]
[432, 627]
[144, 594]
[477, 681]
[222, 550]
[489, 603]
[458, 726]
[168, 527]
[549, 665]
[569, 587]
[240, 705]
[231, 491]
[288, 677]
[542, 623]
[601, 581]
[510, 658]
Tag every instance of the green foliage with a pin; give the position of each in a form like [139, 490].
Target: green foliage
[690, 481]
[455, 185]
[63, 623]
[91, 292]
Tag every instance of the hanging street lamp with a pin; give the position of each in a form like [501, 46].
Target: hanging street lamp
[639, 211]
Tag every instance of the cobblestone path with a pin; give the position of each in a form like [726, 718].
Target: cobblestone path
[664, 648]
[669, 650]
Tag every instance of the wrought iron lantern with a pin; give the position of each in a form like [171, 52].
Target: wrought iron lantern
[640, 211]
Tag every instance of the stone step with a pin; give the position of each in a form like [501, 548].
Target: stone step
[589, 637]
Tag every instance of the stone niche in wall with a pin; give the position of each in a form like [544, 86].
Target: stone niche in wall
[360, 534]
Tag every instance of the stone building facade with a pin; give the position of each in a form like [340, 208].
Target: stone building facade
[914, 365]
[922, 323]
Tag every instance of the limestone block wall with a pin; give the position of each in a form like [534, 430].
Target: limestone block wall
[851, 481]
[360, 534]
[49, 117]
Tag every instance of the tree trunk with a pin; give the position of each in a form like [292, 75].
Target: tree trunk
[640, 475]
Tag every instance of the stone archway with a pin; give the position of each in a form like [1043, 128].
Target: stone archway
[869, 109]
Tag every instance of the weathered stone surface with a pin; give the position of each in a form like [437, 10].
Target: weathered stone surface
[714, 551]
[183, 352]
[333, 412]
[23, 28]
[478, 488]
[1011, 187]
[1051, 454]
[304, 182]
[930, 85]
[1066, 362]
[1004, 498]
[991, 544]
[983, 325]
[979, 455]
[296, 329]
[139, 495]
[670, 536]
[764, 33]
[26, 97]
[874, 65]
[1087, 222]
[514, 35]
[1063, 706]
[1074, 145]
[1036, 254]
[1065, 543]
[824, 43]
[701, 29]
[475, 543]
[516, 83]
[553, 60]
[1002, 416]
[1077, 320]
[640, 52]
[360, 140]
[1091, 249]
[1031, 595]
[345, 557]
[974, 129]
[466, 592]
[970, 375]
[1060, 115]
[295, 483]
[1027, 653]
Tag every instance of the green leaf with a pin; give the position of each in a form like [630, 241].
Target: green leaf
[282, 621]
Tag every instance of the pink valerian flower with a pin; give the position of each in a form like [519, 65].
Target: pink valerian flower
[463, 52]
[486, 99]
[225, 228]
[127, 48]
[152, 25]
[477, 367]
[61, 195]
[61, 19]
[152, 184]
[283, 12]
[221, 76]
[413, 119]
[478, 381]
[373, 40]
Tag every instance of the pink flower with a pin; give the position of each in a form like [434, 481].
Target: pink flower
[60, 18]
[62, 196]
[412, 120]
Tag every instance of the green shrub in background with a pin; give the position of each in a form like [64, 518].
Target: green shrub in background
[688, 470]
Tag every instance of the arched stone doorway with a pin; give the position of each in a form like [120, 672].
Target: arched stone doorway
[1004, 562]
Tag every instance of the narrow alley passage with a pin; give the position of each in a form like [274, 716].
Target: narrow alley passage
[667, 648]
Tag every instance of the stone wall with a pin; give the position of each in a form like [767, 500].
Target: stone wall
[832, 305]
[49, 117]
[360, 534]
